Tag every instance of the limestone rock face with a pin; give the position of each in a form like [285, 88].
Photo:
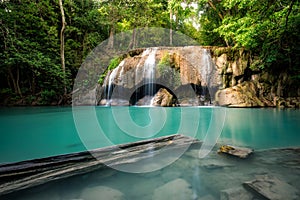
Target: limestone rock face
[101, 192]
[163, 98]
[185, 71]
[197, 76]
[176, 190]
[242, 95]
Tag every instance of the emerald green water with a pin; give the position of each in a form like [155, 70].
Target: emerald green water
[28, 133]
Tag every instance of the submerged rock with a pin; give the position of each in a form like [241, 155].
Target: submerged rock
[238, 193]
[207, 197]
[215, 164]
[235, 151]
[101, 192]
[272, 188]
[177, 189]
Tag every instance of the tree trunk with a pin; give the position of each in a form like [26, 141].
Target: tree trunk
[62, 44]
[110, 44]
[15, 83]
[171, 31]
[289, 12]
[132, 43]
[215, 9]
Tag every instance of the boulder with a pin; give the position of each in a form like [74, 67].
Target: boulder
[272, 188]
[177, 189]
[163, 98]
[207, 197]
[235, 151]
[241, 95]
[101, 192]
[238, 193]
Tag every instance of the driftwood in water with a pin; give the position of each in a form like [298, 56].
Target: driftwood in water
[22, 175]
[240, 152]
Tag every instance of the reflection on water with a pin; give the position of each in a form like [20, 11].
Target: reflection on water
[262, 128]
[28, 133]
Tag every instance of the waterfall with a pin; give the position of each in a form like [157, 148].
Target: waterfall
[111, 80]
[206, 68]
[134, 80]
[149, 75]
[152, 101]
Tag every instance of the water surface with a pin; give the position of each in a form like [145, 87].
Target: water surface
[28, 133]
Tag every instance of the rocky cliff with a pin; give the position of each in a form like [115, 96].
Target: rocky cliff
[244, 87]
[142, 78]
[193, 75]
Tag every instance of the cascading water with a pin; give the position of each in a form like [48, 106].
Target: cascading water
[136, 76]
[112, 78]
[206, 65]
[206, 68]
[149, 75]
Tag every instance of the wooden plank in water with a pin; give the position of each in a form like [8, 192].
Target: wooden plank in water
[26, 174]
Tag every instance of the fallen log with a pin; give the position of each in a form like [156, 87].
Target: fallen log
[26, 174]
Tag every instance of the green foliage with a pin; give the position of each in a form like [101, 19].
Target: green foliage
[112, 65]
[29, 36]
[47, 96]
[268, 29]
[29, 39]
[167, 69]
[164, 64]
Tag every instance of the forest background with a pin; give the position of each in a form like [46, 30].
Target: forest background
[43, 43]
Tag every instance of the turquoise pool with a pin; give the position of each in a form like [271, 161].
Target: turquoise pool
[28, 133]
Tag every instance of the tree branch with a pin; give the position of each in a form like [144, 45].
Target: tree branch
[62, 44]
[289, 12]
[215, 9]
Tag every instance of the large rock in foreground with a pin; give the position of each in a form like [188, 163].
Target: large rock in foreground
[238, 193]
[176, 190]
[272, 188]
[101, 192]
[241, 95]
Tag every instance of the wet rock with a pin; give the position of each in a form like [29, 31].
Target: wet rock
[235, 151]
[42, 195]
[214, 164]
[272, 188]
[192, 153]
[241, 95]
[238, 193]
[101, 192]
[169, 175]
[292, 102]
[207, 197]
[163, 98]
[144, 190]
[176, 190]
[171, 67]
